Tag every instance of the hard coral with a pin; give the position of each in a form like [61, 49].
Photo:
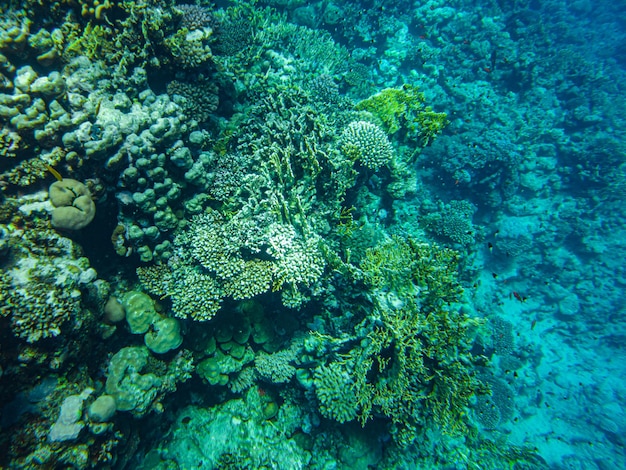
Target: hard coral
[367, 143]
[196, 17]
[74, 208]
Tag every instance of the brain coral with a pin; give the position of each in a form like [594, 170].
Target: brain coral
[74, 208]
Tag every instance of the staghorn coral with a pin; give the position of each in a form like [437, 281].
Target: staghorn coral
[254, 278]
[223, 181]
[196, 17]
[366, 143]
[190, 49]
[240, 258]
[231, 249]
[326, 91]
[297, 261]
[276, 367]
[235, 34]
[242, 381]
[194, 295]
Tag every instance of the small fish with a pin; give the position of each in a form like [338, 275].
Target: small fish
[495, 276]
[517, 296]
[532, 324]
[490, 246]
[55, 173]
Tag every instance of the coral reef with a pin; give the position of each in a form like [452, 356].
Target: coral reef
[275, 176]
[412, 360]
[46, 284]
[453, 223]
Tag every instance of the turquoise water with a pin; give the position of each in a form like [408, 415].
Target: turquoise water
[286, 234]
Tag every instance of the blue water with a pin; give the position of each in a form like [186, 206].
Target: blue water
[218, 146]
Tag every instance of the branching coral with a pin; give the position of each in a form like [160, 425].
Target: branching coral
[402, 109]
[412, 365]
[334, 388]
[198, 100]
[233, 258]
[366, 143]
[44, 286]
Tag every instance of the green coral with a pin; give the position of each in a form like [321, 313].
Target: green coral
[216, 369]
[412, 363]
[164, 336]
[277, 367]
[190, 49]
[403, 109]
[140, 312]
[136, 380]
[334, 388]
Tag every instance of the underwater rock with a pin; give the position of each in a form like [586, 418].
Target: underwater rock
[68, 425]
[102, 409]
[114, 310]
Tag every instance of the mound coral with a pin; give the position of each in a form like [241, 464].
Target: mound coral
[74, 208]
